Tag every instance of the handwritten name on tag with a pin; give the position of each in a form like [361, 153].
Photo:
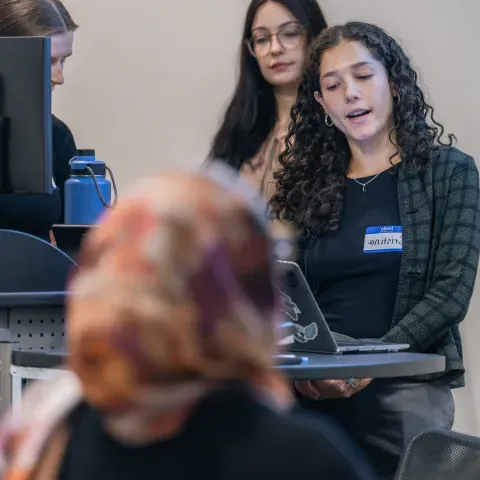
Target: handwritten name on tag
[383, 239]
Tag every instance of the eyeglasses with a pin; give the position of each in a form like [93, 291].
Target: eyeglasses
[289, 37]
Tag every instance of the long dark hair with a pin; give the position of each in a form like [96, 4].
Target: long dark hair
[252, 113]
[310, 184]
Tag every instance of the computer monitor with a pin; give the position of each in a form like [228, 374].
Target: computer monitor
[25, 115]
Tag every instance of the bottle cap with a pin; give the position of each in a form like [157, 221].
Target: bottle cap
[86, 152]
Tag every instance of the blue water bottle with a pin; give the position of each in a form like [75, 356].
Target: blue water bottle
[88, 192]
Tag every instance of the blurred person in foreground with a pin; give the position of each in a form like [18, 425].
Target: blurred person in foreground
[171, 334]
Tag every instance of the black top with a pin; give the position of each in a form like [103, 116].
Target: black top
[354, 272]
[231, 437]
[439, 207]
[35, 213]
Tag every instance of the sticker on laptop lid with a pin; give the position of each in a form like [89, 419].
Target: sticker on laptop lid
[302, 334]
[383, 239]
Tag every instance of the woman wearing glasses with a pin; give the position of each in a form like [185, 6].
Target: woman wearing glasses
[274, 49]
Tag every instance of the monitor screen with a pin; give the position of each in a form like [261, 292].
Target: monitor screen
[25, 115]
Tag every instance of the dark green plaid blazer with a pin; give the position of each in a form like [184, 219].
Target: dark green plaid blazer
[440, 215]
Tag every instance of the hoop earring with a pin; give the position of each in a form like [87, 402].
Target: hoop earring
[328, 120]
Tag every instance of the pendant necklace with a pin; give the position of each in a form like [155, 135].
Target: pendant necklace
[364, 185]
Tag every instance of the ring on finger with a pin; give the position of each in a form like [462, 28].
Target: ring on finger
[351, 382]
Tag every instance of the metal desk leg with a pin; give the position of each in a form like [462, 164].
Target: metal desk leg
[17, 388]
[5, 377]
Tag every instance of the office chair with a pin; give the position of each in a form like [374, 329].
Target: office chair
[441, 455]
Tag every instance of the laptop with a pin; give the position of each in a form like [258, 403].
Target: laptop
[312, 333]
[285, 335]
[69, 237]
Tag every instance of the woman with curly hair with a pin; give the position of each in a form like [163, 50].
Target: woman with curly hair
[389, 221]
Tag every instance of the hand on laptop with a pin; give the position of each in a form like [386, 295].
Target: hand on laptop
[325, 389]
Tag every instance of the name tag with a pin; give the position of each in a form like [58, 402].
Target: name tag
[383, 239]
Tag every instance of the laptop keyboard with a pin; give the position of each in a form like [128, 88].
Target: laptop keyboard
[346, 341]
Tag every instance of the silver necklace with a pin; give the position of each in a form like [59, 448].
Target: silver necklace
[364, 185]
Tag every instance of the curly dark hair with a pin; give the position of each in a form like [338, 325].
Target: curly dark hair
[316, 159]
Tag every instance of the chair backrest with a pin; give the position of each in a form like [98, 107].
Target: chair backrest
[441, 455]
[29, 264]
[33, 276]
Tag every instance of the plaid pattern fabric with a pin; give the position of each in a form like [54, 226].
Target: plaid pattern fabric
[440, 215]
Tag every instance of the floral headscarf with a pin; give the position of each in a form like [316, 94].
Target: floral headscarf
[174, 296]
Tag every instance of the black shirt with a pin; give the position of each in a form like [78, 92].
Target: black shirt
[232, 436]
[34, 213]
[356, 285]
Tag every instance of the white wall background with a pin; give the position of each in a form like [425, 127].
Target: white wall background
[148, 83]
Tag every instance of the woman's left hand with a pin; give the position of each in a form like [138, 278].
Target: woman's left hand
[322, 389]
[358, 384]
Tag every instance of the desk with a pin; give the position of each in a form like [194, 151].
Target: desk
[373, 365]
[33, 299]
[43, 364]
[319, 367]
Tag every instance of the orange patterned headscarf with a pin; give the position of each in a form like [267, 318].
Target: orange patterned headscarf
[174, 296]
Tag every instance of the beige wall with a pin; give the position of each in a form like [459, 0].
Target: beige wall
[148, 83]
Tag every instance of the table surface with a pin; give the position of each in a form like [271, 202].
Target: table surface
[32, 299]
[366, 365]
[318, 367]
